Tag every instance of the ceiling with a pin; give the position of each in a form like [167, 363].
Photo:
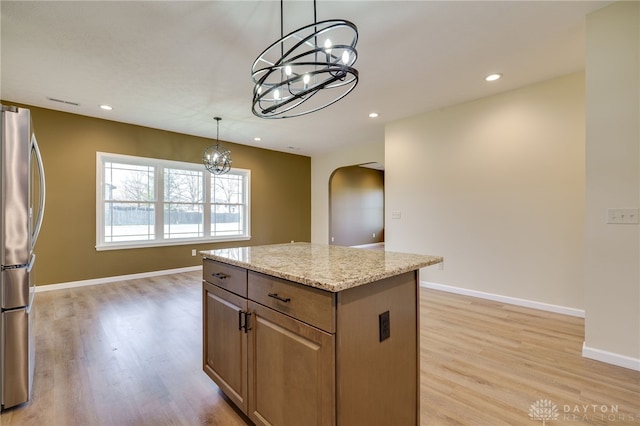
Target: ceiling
[175, 65]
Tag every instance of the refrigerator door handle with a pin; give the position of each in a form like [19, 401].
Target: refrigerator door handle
[42, 191]
[32, 261]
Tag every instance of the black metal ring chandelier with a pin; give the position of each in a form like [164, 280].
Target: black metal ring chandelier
[306, 70]
[216, 159]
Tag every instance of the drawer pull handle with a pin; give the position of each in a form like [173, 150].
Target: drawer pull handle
[280, 298]
[220, 275]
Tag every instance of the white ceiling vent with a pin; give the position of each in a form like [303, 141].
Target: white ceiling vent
[62, 101]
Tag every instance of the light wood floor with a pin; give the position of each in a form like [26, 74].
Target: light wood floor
[487, 363]
[129, 353]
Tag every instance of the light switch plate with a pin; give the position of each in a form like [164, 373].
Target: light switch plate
[622, 216]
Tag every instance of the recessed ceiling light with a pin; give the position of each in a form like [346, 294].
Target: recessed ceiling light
[106, 107]
[373, 115]
[257, 139]
[493, 77]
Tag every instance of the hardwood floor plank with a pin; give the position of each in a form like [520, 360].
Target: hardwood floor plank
[129, 353]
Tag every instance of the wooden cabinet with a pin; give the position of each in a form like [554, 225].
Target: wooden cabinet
[228, 277]
[307, 304]
[291, 371]
[225, 342]
[289, 354]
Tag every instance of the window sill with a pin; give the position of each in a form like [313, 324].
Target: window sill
[167, 243]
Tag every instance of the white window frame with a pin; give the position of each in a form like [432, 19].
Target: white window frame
[160, 240]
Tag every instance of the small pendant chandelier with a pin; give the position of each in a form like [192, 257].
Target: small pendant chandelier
[216, 159]
[306, 70]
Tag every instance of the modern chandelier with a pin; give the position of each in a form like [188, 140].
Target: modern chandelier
[306, 70]
[216, 159]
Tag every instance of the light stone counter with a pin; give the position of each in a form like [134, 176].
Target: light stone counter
[331, 268]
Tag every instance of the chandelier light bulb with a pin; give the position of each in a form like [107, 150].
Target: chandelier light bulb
[345, 57]
[327, 46]
[287, 70]
[306, 79]
[276, 94]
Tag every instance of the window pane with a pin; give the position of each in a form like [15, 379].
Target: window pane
[227, 189]
[183, 220]
[227, 220]
[183, 186]
[128, 182]
[228, 205]
[129, 222]
[183, 208]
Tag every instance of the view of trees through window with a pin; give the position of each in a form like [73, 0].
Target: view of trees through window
[146, 200]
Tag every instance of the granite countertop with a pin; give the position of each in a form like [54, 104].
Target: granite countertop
[331, 268]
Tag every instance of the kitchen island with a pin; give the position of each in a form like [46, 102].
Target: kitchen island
[311, 334]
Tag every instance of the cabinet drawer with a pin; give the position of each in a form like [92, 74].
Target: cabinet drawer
[310, 305]
[232, 278]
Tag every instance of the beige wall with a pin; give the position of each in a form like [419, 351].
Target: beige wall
[280, 210]
[612, 266]
[496, 186]
[322, 166]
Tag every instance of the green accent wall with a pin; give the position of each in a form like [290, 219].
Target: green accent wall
[280, 195]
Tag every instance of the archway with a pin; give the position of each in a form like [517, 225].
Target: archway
[356, 205]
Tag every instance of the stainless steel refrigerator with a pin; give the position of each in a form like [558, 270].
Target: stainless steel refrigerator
[22, 195]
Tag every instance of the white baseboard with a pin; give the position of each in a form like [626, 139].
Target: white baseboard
[106, 280]
[611, 358]
[587, 352]
[506, 299]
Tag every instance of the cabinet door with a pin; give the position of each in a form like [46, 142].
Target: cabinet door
[225, 342]
[291, 371]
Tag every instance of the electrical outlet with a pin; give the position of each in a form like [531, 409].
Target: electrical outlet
[193, 252]
[384, 324]
[396, 215]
